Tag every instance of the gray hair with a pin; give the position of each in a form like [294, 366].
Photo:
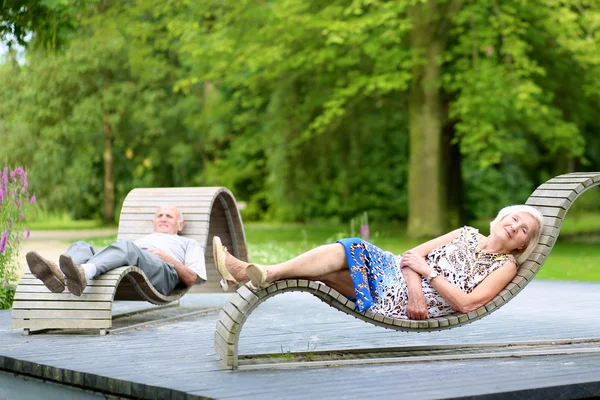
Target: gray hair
[524, 254]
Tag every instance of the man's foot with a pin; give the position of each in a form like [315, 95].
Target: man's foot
[219, 255]
[74, 274]
[46, 271]
[257, 275]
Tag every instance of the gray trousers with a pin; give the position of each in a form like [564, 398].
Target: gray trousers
[162, 275]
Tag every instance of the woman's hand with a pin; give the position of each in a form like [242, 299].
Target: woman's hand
[417, 305]
[416, 262]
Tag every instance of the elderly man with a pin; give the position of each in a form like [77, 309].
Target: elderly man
[165, 257]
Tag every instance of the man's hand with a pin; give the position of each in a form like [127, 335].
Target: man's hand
[162, 255]
[417, 305]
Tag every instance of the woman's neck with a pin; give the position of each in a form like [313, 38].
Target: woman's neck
[493, 244]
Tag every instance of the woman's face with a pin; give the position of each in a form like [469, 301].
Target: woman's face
[516, 229]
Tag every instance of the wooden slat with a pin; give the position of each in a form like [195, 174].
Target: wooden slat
[549, 202]
[174, 191]
[188, 218]
[566, 194]
[584, 181]
[552, 211]
[553, 222]
[594, 175]
[151, 210]
[66, 305]
[96, 282]
[134, 226]
[550, 231]
[61, 314]
[194, 202]
[87, 290]
[62, 324]
[65, 296]
[162, 196]
[577, 187]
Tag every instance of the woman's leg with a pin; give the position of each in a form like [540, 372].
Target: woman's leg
[315, 264]
[340, 281]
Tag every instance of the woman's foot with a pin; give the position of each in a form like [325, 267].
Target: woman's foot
[220, 255]
[257, 275]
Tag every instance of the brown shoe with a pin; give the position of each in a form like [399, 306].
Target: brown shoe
[46, 271]
[74, 274]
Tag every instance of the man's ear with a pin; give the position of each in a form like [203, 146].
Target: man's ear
[180, 225]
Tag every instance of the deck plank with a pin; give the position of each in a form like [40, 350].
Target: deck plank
[180, 356]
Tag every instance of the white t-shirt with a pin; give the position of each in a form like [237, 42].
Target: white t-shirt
[186, 251]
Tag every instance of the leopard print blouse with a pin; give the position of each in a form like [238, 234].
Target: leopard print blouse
[461, 262]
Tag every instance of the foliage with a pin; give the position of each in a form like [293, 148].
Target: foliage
[301, 108]
[14, 199]
[62, 101]
[51, 20]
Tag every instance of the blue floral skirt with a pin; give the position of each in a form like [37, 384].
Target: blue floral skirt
[373, 270]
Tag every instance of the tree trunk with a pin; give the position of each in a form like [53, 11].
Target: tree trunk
[426, 180]
[456, 216]
[109, 179]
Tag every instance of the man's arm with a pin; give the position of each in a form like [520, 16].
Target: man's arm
[186, 275]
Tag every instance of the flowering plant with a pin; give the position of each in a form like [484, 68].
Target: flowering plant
[14, 198]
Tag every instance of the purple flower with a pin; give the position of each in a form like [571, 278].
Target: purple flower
[27, 233]
[19, 204]
[10, 223]
[5, 176]
[3, 241]
[21, 217]
[32, 199]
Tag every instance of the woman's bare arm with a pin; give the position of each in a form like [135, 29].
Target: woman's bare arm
[425, 248]
[459, 300]
[417, 304]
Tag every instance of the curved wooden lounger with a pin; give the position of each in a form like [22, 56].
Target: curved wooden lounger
[207, 212]
[552, 198]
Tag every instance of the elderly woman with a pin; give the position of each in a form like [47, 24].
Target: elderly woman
[459, 271]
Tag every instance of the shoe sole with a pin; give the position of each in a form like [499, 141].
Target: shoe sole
[76, 282]
[219, 258]
[257, 276]
[40, 269]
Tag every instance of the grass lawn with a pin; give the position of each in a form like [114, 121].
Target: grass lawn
[57, 223]
[575, 257]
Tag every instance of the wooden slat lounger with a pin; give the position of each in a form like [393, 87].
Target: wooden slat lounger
[207, 212]
[552, 198]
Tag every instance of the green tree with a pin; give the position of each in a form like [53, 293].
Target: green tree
[50, 20]
[472, 73]
[100, 110]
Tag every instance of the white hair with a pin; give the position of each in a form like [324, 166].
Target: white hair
[524, 254]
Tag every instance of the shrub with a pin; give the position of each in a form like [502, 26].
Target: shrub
[14, 199]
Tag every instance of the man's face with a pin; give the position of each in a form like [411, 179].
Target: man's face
[166, 220]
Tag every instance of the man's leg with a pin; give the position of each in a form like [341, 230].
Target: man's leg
[48, 272]
[122, 253]
[81, 252]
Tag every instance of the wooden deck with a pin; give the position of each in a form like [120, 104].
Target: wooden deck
[177, 360]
